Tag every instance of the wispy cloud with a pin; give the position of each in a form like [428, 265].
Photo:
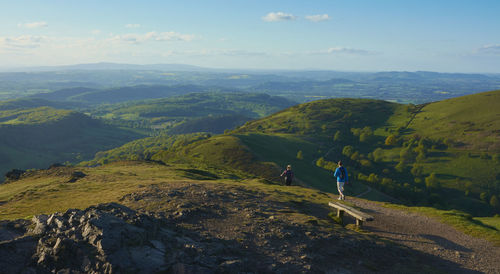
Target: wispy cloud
[344, 50]
[134, 38]
[22, 42]
[489, 49]
[318, 17]
[34, 25]
[279, 16]
[132, 26]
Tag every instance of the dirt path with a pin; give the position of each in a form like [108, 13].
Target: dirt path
[428, 235]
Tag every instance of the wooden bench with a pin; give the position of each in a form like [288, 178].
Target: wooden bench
[360, 216]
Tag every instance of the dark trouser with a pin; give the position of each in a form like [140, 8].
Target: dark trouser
[288, 182]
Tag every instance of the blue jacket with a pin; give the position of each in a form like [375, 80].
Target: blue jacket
[338, 173]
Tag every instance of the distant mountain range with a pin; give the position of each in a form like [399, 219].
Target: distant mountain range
[108, 66]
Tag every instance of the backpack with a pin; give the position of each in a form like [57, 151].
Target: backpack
[342, 173]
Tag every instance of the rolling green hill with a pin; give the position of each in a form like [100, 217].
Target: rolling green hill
[208, 112]
[472, 121]
[38, 137]
[443, 154]
[386, 146]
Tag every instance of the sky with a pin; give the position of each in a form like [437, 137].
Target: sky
[350, 35]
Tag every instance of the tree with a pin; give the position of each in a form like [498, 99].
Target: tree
[338, 136]
[417, 170]
[355, 156]
[299, 155]
[400, 166]
[390, 140]
[494, 202]
[373, 178]
[421, 156]
[483, 196]
[432, 182]
[320, 162]
[364, 137]
[378, 155]
[348, 151]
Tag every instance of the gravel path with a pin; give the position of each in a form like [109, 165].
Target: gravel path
[428, 235]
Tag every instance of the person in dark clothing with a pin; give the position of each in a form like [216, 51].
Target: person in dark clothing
[288, 173]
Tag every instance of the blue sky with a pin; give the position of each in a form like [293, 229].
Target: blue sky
[447, 36]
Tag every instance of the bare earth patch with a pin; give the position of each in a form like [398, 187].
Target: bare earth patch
[430, 236]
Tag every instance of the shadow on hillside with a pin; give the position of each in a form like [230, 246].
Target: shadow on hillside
[320, 252]
[445, 243]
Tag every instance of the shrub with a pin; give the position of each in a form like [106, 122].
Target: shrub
[348, 151]
[338, 136]
[417, 170]
[390, 140]
[320, 162]
[373, 178]
[421, 156]
[355, 156]
[400, 166]
[494, 202]
[484, 156]
[496, 158]
[299, 155]
[365, 163]
[378, 155]
[432, 182]
[483, 196]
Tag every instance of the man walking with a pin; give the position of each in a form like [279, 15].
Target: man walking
[341, 174]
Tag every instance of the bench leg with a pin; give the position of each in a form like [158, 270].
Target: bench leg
[340, 215]
[359, 223]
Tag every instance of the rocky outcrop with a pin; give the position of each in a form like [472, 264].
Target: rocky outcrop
[14, 174]
[108, 238]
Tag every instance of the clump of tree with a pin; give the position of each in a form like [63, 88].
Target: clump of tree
[365, 134]
[321, 162]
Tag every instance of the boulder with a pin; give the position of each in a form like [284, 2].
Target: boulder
[14, 174]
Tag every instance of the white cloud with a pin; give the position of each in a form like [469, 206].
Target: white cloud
[318, 17]
[132, 26]
[489, 49]
[96, 32]
[33, 25]
[22, 42]
[134, 38]
[278, 16]
[344, 50]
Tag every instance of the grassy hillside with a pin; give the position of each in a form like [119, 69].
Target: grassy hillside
[472, 121]
[395, 149]
[325, 117]
[209, 112]
[382, 144]
[36, 138]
